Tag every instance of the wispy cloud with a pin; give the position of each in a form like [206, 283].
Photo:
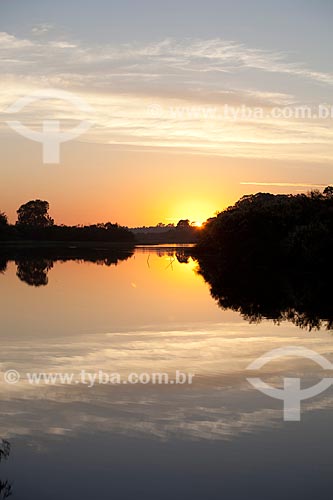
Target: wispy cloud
[165, 59]
[41, 29]
[141, 410]
[121, 82]
[283, 184]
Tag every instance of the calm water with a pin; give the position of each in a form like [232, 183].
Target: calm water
[215, 438]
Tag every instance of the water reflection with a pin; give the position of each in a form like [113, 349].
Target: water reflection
[275, 294]
[5, 486]
[220, 405]
[34, 264]
[34, 272]
[152, 313]
[3, 264]
[254, 293]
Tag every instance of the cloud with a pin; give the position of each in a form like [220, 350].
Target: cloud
[11, 43]
[220, 404]
[122, 82]
[41, 29]
[284, 184]
[164, 61]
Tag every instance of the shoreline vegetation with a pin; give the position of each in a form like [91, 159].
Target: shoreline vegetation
[261, 229]
[266, 257]
[266, 230]
[269, 257]
[35, 228]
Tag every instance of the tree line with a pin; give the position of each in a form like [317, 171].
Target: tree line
[269, 256]
[34, 223]
[266, 229]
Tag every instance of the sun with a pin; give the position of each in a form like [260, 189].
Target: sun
[197, 211]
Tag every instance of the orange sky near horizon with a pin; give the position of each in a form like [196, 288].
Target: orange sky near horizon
[184, 119]
[95, 183]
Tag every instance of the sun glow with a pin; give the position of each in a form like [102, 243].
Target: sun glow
[196, 211]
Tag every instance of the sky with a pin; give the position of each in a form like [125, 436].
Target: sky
[189, 104]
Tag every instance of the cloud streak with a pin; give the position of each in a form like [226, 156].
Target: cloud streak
[122, 82]
[166, 58]
[206, 410]
[284, 184]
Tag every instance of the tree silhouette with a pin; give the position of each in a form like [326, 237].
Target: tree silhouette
[34, 214]
[182, 256]
[35, 224]
[4, 226]
[183, 223]
[3, 219]
[328, 191]
[269, 256]
[3, 264]
[34, 272]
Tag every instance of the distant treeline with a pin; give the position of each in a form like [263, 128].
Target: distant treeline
[35, 224]
[97, 232]
[184, 232]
